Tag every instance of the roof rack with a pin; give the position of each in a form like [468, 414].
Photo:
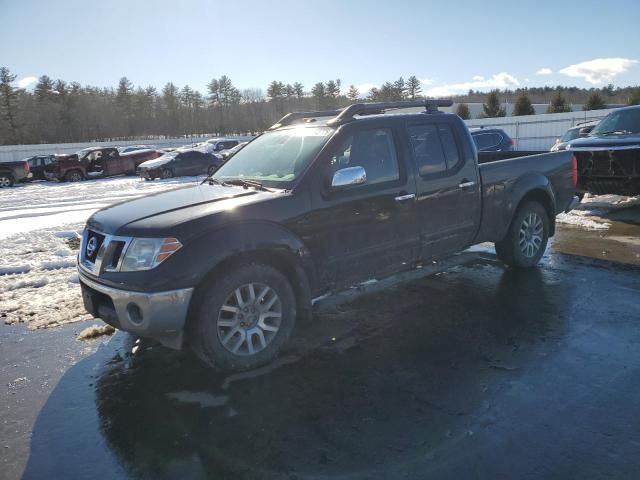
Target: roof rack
[346, 114]
[289, 118]
[380, 107]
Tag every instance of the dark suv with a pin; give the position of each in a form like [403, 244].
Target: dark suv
[492, 140]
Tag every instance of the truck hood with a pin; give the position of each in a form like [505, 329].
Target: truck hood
[165, 212]
[155, 163]
[606, 142]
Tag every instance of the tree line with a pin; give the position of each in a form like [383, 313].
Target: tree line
[56, 111]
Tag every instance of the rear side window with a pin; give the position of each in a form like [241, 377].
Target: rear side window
[487, 140]
[427, 149]
[449, 145]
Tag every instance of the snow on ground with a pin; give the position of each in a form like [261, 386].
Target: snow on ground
[40, 228]
[589, 214]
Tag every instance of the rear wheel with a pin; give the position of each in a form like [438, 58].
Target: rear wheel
[6, 180]
[211, 170]
[166, 173]
[526, 240]
[73, 176]
[243, 319]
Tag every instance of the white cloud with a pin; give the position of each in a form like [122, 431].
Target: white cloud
[498, 80]
[425, 82]
[527, 80]
[544, 71]
[478, 78]
[26, 81]
[598, 70]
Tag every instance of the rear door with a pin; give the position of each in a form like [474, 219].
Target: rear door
[448, 188]
[367, 230]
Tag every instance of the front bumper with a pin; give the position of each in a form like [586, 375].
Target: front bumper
[159, 315]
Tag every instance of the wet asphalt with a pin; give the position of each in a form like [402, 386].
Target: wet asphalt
[476, 372]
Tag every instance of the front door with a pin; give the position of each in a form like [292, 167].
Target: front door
[367, 230]
[448, 190]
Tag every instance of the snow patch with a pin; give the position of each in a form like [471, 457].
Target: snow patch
[14, 269]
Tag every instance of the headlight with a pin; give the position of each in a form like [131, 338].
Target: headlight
[148, 253]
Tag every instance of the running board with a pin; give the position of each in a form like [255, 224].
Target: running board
[332, 299]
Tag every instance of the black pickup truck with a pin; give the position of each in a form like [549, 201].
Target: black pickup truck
[311, 207]
[11, 172]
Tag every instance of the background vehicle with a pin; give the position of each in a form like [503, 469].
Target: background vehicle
[133, 148]
[307, 209]
[227, 154]
[609, 157]
[38, 166]
[98, 162]
[580, 130]
[11, 172]
[219, 144]
[176, 164]
[492, 140]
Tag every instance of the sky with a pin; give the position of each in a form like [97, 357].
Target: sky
[451, 46]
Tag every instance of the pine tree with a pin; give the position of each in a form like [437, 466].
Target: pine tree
[492, 108]
[558, 104]
[594, 102]
[274, 90]
[413, 87]
[318, 92]
[298, 89]
[399, 89]
[44, 88]
[523, 106]
[353, 93]
[9, 104]
[124, 105]
[462, 110]
[213, 87]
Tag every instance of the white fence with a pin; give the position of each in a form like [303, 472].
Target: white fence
[19, 152]
[537, 132]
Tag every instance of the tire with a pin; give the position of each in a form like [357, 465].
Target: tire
[526, 240]
[166, 173]
[74, 176]
[245, 338]
[148, 179]
[211, 170]
[6, 180]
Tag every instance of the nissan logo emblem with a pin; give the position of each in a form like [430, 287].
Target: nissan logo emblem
[92, 244]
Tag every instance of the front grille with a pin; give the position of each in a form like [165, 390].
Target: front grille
[101, 252]
[92, 245]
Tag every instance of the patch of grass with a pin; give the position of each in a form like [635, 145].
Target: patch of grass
[96, 331]
[73, 243]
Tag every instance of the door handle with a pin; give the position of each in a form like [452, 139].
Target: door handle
[405, 197]
[466, 184]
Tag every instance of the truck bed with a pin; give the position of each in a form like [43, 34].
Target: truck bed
[505, 174]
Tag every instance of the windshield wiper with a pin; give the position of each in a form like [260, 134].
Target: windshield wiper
[615, 132]
[213, 181]
[247, 183]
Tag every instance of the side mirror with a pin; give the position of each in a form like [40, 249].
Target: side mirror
[346, 177]
[584, 131]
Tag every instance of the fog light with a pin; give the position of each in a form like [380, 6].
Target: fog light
[135, 314]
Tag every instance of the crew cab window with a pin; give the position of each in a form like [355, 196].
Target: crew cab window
[487, 140]
[372, 150]
[427, 149]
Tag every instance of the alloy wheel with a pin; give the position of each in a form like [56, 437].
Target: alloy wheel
[249, 319]
[530, 235]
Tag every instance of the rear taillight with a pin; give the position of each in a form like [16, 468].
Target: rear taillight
[26, 167]
[574, 171]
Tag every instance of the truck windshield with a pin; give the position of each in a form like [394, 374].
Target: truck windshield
[276, 158]
[621, 121]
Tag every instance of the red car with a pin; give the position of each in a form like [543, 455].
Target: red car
[97, 162]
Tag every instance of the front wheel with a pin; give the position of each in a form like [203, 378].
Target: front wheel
[526, 240]
[6, 180]
[73, 176]
[166, 173]
[243, 319]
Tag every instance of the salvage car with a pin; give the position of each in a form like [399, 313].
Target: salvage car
[38, 166]
[179, 163]
[581, 130]
[609, 157]
[492, 140]
[307, 209]
[12, 172]
[97, 162]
